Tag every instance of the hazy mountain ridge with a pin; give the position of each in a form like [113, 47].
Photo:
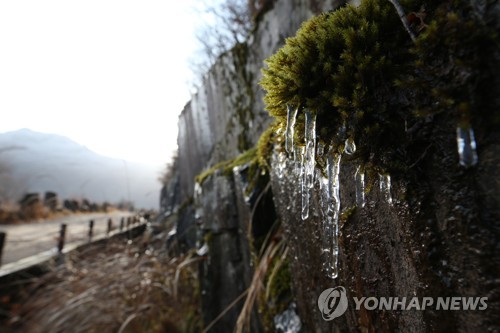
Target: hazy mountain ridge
[40, 162]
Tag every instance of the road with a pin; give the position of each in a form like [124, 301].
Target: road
[24, 240]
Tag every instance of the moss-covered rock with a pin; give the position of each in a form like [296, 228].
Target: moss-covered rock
[365, 79]
[342, 65]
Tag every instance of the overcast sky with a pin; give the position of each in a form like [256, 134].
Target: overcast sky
[110, 74]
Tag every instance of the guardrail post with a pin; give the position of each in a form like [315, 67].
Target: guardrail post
[122, 224]
[91, 229]
[62, 237]
[110, 226]
[3, 235]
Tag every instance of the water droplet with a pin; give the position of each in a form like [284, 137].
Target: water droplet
[466, 144]
[350, 146]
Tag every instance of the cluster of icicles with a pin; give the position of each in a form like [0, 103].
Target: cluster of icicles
[304, 158]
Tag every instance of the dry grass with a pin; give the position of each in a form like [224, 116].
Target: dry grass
[275, 249]
[34, 212]
[115, 287]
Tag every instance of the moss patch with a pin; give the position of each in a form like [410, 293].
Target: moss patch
[226, 167]
[365, 79]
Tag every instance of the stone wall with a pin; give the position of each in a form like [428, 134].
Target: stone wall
[438, 236]
[226, 116]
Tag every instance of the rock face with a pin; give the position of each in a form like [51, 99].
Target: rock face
[226, 116]
[437, 238]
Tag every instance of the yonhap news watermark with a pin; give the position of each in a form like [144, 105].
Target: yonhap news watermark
[333, 302]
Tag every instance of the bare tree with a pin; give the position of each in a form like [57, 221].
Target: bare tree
[225, 24]
[169, 172]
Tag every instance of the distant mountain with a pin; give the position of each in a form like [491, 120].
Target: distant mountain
[40, 162]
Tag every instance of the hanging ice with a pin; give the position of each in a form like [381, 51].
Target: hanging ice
[327, 233]
[309, 162]
[466, 144]
[350, 146]
[330, 203]
[290, 123]
[298, 158]
[310, 158]
[305, 194]
[385, 187]
[333, 170]
[359, 178]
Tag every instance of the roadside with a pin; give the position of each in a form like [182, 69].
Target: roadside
[113, 286]
[27, 239]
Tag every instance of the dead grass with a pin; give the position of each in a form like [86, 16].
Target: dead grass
[116, 287]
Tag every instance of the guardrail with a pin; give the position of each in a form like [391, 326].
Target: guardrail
[92, 234]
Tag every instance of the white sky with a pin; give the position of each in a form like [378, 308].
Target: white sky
[110, 74]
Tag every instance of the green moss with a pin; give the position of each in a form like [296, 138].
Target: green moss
[341, 65]
[455, 56]
[265, 147]
[208, 237]
[346, 214]
[357, 69]
[226, 167]
[279, 281]
[278, 292]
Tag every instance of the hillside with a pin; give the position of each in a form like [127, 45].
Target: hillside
[39, 162]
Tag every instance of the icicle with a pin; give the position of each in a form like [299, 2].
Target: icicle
[301, 175]
[349, 147]
[310, 158]
[359, 178]
[308, 162]
[290, 123]
[304, 190]
[466, 144]
[329, 201]
[327, 234]
[331, 187]
[333, 170]
[298, 157]
[385, 187]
